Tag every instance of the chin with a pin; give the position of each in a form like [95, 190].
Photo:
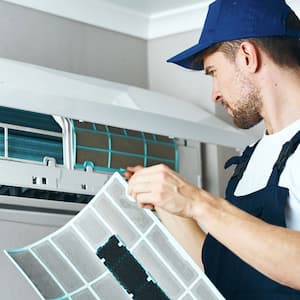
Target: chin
[246, 124]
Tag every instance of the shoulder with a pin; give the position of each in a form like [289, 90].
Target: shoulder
[291, 173]
[294, 160]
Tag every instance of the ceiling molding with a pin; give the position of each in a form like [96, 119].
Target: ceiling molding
[108, 15]
[171, 22]
[117, 18]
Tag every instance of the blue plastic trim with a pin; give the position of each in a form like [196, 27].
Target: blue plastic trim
[109, 146]
[26, 118]
[145, 150]
[126, 136]
[102, 169]
[176, 156]
[19, 250]
[88, 163]
[73, 127]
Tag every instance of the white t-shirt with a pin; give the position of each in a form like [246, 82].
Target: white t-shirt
[260, 167]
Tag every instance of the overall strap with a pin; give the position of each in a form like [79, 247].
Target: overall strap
[241, 162]
[286, 151]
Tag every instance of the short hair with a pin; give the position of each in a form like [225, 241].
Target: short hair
[283, 50]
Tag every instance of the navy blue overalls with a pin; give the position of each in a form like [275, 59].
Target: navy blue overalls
[235, 279]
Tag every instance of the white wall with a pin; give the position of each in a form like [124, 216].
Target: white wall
[170, 79]
[195, 87]
[39, 38]
[35, 37]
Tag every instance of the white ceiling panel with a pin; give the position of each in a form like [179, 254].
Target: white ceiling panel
[152, 7]
[145, 19]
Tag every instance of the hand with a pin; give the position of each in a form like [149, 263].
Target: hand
[160, 187]
[131, 170]
[128, 174]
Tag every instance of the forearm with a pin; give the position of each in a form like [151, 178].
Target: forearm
[273, 250]
[186, 231]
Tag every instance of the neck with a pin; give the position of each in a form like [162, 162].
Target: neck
[280, 90]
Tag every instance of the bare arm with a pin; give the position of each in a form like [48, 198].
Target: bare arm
[273, 250]
[187, 232]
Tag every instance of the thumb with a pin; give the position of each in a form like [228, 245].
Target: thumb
[131, 170]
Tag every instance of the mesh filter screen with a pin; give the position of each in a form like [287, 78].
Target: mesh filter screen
[65, 265]
[110, 149]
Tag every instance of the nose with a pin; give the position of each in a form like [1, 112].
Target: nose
[217, 97]
[216, 94]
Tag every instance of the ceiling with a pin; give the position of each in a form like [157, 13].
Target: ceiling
[152, 7]
[146, 19]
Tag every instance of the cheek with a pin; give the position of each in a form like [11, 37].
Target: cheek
[226, 78]
[226, 86]
[232, 84]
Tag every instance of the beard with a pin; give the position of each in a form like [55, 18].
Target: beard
[247, 111]
[247, 114]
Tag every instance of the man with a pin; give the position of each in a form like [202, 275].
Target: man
[251, 49]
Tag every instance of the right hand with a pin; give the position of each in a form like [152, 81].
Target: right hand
[160, 187]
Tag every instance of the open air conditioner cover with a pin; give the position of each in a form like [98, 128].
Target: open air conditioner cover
[49, 91]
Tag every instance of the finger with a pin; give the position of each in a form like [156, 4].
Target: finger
[147, 206]
[130, 171]
[141, 170]
[127, 174]
[145, 199]
[140, 201]
[133, 169]
[156, 173]
[135, 188]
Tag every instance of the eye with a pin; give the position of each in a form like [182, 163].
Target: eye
[210, 72]
[214, 73]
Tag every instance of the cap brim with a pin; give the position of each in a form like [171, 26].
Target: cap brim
[186, 58]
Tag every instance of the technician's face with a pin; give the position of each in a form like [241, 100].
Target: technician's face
[233, 90]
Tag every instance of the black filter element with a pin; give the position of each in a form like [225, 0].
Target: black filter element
[127, 270]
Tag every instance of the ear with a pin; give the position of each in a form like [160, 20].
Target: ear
[249, 56]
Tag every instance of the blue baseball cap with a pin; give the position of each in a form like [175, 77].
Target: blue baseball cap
[229, 20]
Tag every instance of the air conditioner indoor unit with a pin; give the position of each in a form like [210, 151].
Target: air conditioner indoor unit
[62, 135]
